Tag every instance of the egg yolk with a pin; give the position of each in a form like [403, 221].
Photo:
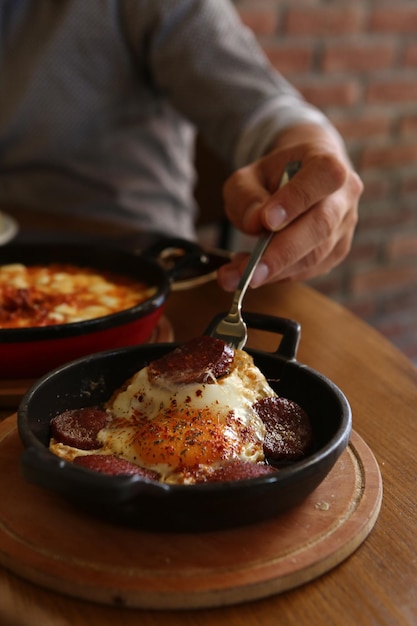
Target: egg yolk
[183, 439]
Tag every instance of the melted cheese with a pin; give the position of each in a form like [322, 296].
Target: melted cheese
[61, 294]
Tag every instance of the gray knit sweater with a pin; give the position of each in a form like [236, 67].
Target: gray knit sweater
[100, 101]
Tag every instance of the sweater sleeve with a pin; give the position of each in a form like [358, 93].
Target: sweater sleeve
[202, 58]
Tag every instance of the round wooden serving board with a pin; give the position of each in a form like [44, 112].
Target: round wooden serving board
[49, 542]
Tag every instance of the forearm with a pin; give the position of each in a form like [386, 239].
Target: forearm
[323, 136]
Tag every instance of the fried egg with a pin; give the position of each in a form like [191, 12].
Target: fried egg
[184, 432]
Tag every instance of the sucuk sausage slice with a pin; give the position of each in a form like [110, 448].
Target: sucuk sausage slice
[236, 469]
[79, 427]
[288, 429]
[113, 466]
[201, 360]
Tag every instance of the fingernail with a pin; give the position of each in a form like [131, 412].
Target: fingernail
[276, 217]
[229, 278]
[260, 275]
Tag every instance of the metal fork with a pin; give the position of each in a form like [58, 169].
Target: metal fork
[232, 328]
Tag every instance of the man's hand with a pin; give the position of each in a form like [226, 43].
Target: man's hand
[314, 215]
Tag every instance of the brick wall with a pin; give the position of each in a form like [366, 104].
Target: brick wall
[357, 61]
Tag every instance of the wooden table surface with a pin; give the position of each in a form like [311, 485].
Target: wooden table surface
[374, 586]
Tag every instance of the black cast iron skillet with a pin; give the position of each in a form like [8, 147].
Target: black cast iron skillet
[182, 508]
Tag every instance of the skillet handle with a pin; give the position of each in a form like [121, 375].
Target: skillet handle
[40, 467]
[289, 329]
[176, 255]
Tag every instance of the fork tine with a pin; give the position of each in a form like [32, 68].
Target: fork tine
[232, 330]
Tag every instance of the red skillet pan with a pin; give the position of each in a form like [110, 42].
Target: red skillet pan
[30, 352]
[205, 506]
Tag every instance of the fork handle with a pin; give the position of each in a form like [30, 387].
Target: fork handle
[245, 279]
[259, 248]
